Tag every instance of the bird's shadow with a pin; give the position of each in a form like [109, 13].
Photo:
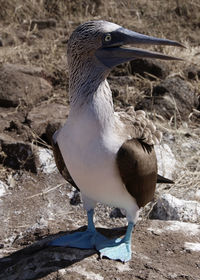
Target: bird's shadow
[38, 260]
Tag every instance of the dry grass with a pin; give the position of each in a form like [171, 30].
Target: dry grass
[46, 48]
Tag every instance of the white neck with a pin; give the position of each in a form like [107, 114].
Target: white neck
[90, 93]
[97, 105]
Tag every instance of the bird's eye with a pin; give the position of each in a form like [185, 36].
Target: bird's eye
[107, 38]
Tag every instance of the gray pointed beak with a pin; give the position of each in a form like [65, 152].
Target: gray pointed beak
[131, 37]
[114, 53]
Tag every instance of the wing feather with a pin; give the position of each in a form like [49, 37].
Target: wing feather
[137, 165]
[52, 133]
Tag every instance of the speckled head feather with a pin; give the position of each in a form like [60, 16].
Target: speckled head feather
[85, 70]
[87, 37]
[95, 47]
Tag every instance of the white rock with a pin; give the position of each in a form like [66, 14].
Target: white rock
[123, 266]
[186, 228]
[87, 274]
[197, 195]
[11, 181]
[46, 158]
[3, 188]
[169, 207]
[192, 246]
[166, 160]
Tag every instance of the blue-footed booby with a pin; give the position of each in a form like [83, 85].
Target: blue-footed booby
[107, 155]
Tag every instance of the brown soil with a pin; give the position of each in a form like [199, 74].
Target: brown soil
[36, 216]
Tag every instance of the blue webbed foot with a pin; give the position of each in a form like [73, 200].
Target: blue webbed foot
[117, 249]
[83, 240]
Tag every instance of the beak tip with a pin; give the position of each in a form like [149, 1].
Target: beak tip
[178, 59]
[180, 45]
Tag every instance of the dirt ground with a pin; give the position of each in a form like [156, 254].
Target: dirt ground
[159, 247]
[36, 203]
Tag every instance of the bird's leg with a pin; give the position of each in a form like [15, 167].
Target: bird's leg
[119, 248]
[91, 226]
[83, 240]
[128, 235]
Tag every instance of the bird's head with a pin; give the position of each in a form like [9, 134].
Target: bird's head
[106, 44]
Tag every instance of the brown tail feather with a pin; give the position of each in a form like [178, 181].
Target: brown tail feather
[163, 180]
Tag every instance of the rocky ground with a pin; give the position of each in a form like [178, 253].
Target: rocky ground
[36, 204]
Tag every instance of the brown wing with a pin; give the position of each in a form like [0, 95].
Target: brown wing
[61, 165]
[137, 165]
[51, 130]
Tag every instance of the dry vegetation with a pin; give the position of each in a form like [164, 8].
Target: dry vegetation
[179, 20]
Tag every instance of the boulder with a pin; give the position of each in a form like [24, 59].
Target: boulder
[192, 72]
[169, 207]
[166, 160]
[46, 160]
[173, 97]
[6, 116]
[192, 246]
[150, 69]
[16, 154]
[3, 188]
[22, 84]
[7, 39]
[43, 23]
[197, 195]
[12, 122]
[47, 113]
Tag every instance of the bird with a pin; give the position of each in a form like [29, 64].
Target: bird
[107, 155]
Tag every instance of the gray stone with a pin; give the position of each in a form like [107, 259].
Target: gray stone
[75, 198]
[22, 85]
[3, 188]
[117, 213]
[16, 154]
[47, 113]
[173, 97]
[192, 72]
[43, 24]
[169, 207]
[150, 69]
[7, 38]
[166, 160]
[46, 160]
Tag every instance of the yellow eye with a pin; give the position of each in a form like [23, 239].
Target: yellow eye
[107, 38]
